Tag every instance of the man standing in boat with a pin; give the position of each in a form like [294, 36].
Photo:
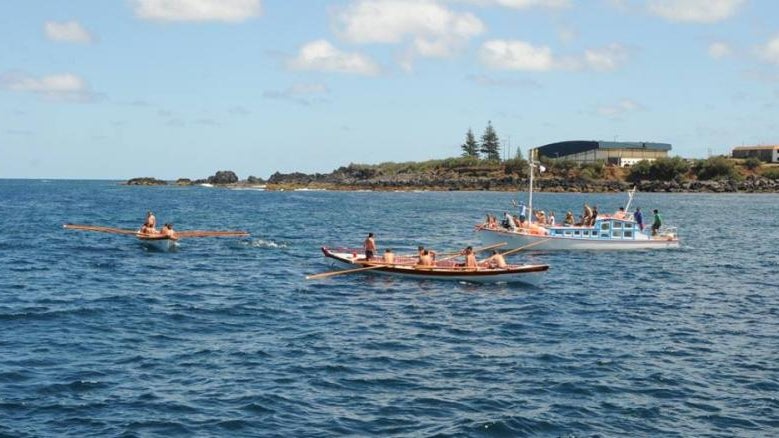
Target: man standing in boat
[639, 218]
[657, 222]
[370, 246]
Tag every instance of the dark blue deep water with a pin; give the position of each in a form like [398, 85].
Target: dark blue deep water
[100, 337]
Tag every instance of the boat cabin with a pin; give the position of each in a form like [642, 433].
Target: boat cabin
[604, 228]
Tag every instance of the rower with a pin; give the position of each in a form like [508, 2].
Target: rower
[496, 260]
[425, 259]
[389, 256]
[470, 258]
[151, 222]
[167, 230]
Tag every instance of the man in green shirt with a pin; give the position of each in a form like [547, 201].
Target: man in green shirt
[657, 223]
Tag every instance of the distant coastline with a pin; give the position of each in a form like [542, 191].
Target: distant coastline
[459, 174]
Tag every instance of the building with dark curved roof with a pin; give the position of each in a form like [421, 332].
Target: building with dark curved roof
[620, 153]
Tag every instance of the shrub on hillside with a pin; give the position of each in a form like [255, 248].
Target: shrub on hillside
[752, 163]
[715, 168]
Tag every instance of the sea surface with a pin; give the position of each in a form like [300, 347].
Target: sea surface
[225, 337]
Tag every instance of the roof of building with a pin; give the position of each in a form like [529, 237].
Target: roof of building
[564, 148]
[755, 148]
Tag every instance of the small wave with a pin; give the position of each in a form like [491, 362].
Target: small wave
[260, 243]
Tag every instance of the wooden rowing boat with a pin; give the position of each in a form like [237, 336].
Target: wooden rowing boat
[405, 266]
[157, 242]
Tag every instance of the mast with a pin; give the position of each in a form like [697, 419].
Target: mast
[630, 198]
[530, 190]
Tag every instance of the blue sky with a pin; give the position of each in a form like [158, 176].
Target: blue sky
[115, 89]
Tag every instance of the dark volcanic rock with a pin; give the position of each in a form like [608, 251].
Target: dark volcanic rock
[183, 182]
[223, 177]
[146, 181]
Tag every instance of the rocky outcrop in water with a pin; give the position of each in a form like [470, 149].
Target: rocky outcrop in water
[146, 181]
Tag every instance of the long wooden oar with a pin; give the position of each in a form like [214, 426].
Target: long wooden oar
[199, 233]
[529, 245]
[484, 248]
[99, 229]
[347, 271]
[513, 250]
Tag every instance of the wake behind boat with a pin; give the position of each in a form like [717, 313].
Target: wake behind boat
[406, 266]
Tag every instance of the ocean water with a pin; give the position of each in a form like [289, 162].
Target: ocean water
[100, 337]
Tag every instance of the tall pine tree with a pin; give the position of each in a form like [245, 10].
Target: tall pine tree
[470, 147]
[490, 144]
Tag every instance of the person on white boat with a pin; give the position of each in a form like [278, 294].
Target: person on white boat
[389, 256]
[587, 215]
[370, 246]
[510, 221]
[145, 229]
[569, 220]
[541, 217]
[496, 260]
[594, 215]
[620, 214]
[639, 218]
[657, 222]
[550, 220]
[167, 230]
[522, 212]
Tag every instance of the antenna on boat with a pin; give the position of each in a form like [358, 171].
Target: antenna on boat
[631, 192]
[530, 154]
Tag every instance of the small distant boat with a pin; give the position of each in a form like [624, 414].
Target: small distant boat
[442, 270]
[157, 241]
[206, 185]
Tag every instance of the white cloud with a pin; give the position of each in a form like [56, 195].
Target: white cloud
[516, 55]
[320, 55]
[606, 59]
[429, 28]
[719, 50]
[62, 87]
[68, 31]
[769, 52]
[622, 107]
[698, 11]
[197, 10]
[520, 55]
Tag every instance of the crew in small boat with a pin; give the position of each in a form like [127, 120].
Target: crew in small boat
[470, 258]
[167, 230]
[425, 259]
[594, 215]
[389, 256]
[496, 260]
[620, 214]
[151, 221]
[145, 229]
[550, 220]
[370, 246]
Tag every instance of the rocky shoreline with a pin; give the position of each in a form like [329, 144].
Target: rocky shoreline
[432, 182]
